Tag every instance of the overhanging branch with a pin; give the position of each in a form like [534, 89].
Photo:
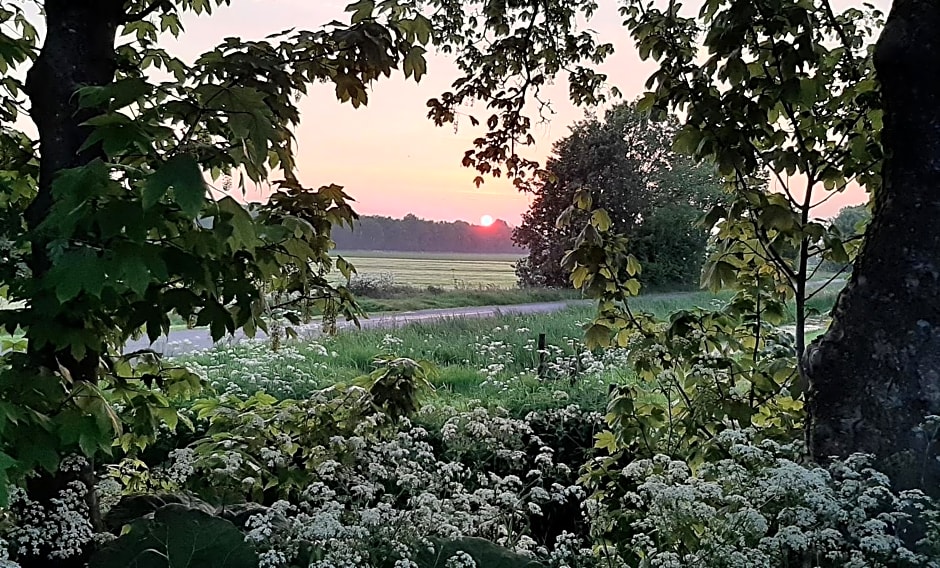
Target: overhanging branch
[153, 7]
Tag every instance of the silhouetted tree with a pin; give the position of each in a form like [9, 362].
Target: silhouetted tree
[652, 195]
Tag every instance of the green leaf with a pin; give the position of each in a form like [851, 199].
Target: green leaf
[687, 141]
[75, 271]
[633, 266]
[217, 318]
[777, 217]
[719, 275]
[483, 552]
[6, 464]
[178, 537]
[606, 441]
[361, 10]
[597, 336]
[136, 273]
[243, 226]
[633, 286]
[182, 174]
[39, 452]
[415, 63]
[601, 220]
[423, 29]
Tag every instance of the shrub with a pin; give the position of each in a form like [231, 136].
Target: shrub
[380, 285]
[759, 508]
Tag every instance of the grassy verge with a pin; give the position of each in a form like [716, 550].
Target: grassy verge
[491, 359]
[407, 300]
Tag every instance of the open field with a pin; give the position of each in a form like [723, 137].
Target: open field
[443, 270]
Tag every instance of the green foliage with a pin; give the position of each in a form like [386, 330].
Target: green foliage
[851, 223]
[786, 90]
[482, 551]
[41, 414]
[705, 371]
[178, 537]
[754, 106]
[646, 192]
[245, 428]
[140, 220]
[852, 220]
[397, 383]
[506, 53]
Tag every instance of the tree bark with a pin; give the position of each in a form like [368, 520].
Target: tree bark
[874, 377]
[78, 51]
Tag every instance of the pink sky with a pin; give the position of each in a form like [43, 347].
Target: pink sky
[388, 155]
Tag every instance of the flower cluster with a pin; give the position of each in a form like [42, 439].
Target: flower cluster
[370, 489]
[57, 529]
[251, 366]
[761, 508]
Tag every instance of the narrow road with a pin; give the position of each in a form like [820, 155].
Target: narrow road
[187, 340]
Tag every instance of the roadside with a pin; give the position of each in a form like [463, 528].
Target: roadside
[188, 340]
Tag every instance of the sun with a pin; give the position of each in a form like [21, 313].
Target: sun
[486, 220]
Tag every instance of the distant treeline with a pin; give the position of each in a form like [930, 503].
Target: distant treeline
[412, 234]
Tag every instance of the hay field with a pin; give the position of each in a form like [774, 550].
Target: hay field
[444, 270]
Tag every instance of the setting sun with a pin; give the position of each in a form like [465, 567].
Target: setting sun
[486, 220]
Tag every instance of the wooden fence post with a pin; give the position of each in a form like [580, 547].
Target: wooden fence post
[541, 352]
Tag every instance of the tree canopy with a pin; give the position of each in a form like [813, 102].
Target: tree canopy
[122, 211]
[651, 195]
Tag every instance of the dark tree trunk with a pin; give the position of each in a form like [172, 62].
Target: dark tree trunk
[78, 51]
[875, 375]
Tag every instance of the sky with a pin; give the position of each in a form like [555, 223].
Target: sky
[388, 155]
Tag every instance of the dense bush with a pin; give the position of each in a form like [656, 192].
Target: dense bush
[381, 285]
[762, 506]
[652, 195]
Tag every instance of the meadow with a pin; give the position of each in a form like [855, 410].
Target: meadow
[506, 462]
[442, 270]
[494, 360]
[496, 455]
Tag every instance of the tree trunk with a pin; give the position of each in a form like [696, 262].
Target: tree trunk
[78, 51]
[875, 376]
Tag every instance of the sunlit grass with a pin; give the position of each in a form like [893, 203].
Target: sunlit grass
[414, 299]
[491, 359]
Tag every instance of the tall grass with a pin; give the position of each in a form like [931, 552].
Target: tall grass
[412, 299]
[492, 359]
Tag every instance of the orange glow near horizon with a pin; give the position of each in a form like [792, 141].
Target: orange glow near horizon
[388, 156]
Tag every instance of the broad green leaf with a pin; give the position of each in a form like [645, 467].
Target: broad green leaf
[633, 266]
[361, 10]
[597, 336]
[6, 464]
[178, 537]
[601, 220]
[606, 441]
[243, 226]
[415, 63]
[483, 552]
[182, 174]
